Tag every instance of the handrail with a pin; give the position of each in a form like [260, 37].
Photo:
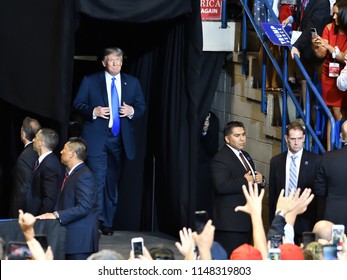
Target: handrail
[284, 77]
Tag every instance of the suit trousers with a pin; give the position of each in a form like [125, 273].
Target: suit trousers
[107, 168]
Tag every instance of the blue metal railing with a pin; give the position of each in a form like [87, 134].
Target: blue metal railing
[283, 75]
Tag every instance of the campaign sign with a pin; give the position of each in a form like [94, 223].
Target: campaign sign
[211, 9]
[276, 34]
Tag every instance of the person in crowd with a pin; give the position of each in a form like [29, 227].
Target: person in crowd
[23, 171]
[196, 246]
[309, 14]
[26, 222]
[332, 47]
[48, 173]
[330, 182]
[288, 208]
[76, 207]
[231, 168]
[295, 168]
[106, 254]
[341, 81]
[323, 231]
[207, 148]
[110, 102]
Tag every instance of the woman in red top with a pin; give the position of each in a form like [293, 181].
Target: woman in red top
[333, 46]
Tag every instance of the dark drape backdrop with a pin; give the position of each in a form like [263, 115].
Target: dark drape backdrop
[163, 44]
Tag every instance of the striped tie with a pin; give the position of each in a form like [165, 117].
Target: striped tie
[293, 177]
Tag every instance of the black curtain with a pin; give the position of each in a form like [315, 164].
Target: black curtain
[163, 44]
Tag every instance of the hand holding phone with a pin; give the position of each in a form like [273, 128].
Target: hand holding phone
[337, 234]
[18, 251]
[314, 32]
[137, 246]
[201, 218]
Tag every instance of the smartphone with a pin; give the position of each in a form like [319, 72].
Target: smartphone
[274, 254]
[337, 234]
[275, 241]
[308, 237]
[201, 218]
[329, 252]
[137, 246]
[18, 251]
[314, 32]
[42, 239]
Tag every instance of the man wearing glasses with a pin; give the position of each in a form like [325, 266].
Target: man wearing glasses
[295, 168]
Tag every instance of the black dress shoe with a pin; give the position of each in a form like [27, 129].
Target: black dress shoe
[106, 231]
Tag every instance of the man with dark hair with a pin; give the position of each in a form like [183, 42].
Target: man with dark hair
[295, 168]
[110, 102]
[24, 167]
[48, 173]
[231, 168]
[76, 207]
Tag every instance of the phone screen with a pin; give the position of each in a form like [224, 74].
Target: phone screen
[137, 248]
[274, 254]
[18, 251]
[201, 218]
[329, 252]
[337, 234]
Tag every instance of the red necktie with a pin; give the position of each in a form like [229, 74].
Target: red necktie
[63, 184]
[303, 3]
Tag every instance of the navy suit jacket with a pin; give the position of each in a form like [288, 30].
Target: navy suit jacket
[44, 191]
[77, 208]
[330, 183]
[308, 167]
[316, 15]
[93, 93]
[22, 180]
[228, 177]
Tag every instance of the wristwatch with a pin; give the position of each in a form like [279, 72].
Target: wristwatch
[281, 213]
[56, 215]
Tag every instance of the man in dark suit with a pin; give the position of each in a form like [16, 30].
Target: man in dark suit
[109, 128]
[307, 164]
[231, 168]
[330, 182]
[48, 174]
[76, 207]
[24, 167]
